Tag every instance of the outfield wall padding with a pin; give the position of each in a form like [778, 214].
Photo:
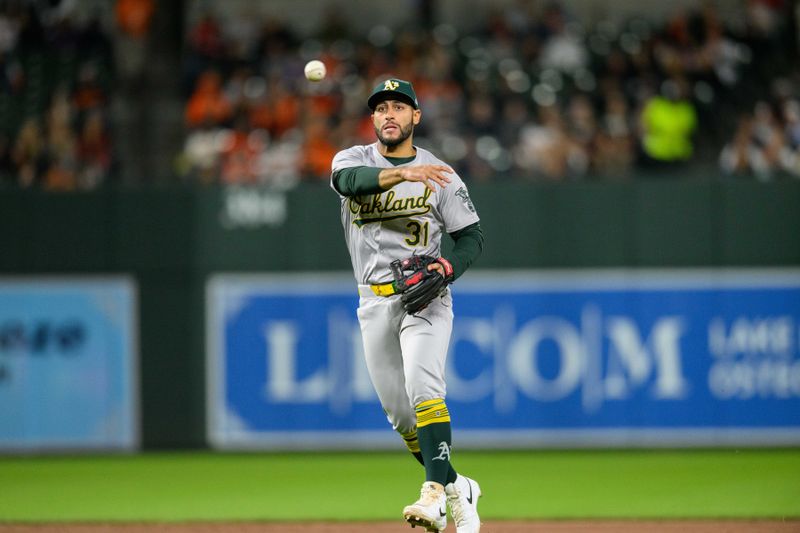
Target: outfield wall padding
[171, 239]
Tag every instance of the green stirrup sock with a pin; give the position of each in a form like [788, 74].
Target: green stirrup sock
[451, 474]
[434, 433]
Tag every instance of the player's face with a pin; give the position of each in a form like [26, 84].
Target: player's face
[394, 122]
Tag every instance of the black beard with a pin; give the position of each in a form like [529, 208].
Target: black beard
[405, 133]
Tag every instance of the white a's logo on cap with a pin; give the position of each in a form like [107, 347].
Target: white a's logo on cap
[390, 85]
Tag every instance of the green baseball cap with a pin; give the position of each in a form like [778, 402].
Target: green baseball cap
[393, 89]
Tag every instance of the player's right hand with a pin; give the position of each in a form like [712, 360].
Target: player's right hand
[427, 174]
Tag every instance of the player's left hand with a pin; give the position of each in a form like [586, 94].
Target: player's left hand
[428, 278]
[443, 267]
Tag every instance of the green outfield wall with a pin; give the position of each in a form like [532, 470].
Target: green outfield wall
[170, 239]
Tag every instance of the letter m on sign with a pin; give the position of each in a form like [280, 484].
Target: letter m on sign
[631, 361]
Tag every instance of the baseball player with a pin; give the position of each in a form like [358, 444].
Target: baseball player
[396, 202]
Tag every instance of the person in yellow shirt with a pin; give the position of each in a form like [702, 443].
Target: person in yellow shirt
[668, 121]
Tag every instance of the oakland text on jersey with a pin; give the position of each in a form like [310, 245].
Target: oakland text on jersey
[412, 205]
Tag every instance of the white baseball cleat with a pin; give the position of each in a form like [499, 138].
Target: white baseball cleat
[430, 511]
[462, 498]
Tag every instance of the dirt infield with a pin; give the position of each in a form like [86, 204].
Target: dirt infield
[565, 526]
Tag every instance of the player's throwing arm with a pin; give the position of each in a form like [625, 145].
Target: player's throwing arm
[426, 174]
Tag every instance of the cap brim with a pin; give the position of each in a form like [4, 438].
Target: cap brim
[381, 96]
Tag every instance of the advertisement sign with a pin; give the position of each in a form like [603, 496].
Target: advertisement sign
[68, 364]
[584, 358]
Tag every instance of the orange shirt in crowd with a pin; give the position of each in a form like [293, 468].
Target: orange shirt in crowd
[285, 113]
[133, 16]
[318, 150]
[208, 104]
[240, 158]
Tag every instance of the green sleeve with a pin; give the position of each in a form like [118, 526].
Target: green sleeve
[468, 246]
[355, 181]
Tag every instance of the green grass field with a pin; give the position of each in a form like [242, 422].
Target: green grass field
[373, 486]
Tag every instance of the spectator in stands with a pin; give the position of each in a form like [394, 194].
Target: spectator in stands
[741, 155]
[61, 146]
[53, 74]
[285, 110]
[12, 76]
[199, 160]
[581, 122]
[614, 150]
[668, 122]
[757, 145]
[280, 160]
[133, 19]
[481, 115]
[472, 164]
[28, 153]
[790, 154]
[768, 135]
[563, 48]
[259, 107]
[208, 103]
[274, 50]
[88, 93]
[9, 27]
[514, 116]
[205, 50]
[95, 155]
[60, 175]
[588, 86]
[61, 139]
[241, 35]
[240, 153]
[547, 151]
[318, 150]
[234, 89]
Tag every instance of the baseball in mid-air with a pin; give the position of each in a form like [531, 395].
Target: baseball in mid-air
[315, 70]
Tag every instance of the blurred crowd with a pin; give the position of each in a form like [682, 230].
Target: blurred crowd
[530, 94]
[55, 86]
[533, 94]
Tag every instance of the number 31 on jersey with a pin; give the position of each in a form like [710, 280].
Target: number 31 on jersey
[418, 233]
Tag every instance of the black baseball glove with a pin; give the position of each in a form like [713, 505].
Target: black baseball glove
[417, 285]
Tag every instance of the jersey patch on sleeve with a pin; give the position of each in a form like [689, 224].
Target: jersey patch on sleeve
[464, 195]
